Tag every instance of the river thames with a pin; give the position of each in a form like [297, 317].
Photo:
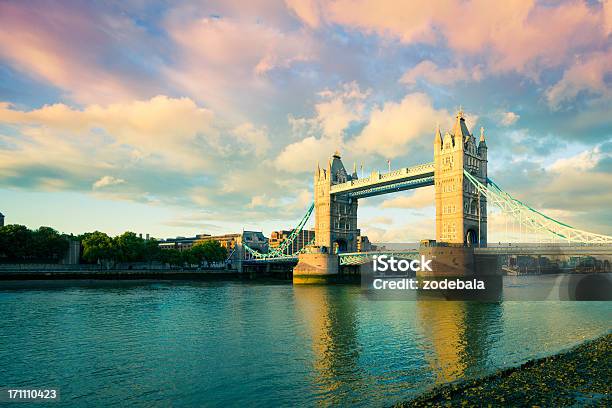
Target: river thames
[193, 343]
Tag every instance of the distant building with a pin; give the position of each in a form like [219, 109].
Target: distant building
[181, 243]
[1, 220]
[364, 244]
[234, 245]
[304, 238]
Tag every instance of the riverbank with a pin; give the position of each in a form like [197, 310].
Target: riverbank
[120, 274]
[580, 376]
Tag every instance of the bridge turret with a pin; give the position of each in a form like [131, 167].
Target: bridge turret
[460, 211]
[482, 152]
[460, 130]
[335, 217]
[482, 144]
[438, 139]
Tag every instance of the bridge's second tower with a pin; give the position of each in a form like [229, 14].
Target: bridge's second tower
[461, 213]
[335, 214]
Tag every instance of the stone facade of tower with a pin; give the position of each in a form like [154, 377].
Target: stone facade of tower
[459, 217]
[335, 216]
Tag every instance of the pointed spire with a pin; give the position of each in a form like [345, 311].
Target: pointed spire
[460, 129]
[438, 136]
[482, 136]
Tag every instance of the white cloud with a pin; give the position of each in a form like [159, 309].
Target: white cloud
[169, 131]
[323, 133]
[256, 139]
[107, 181]
[392, 127]
[509, 118]
[303, 156]
[421, 198]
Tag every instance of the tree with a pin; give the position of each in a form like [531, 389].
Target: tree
[129, 246]
[48, 244]
[151, 251]
[172, 256]
[97, 247]
[16, 242]
[209, 251]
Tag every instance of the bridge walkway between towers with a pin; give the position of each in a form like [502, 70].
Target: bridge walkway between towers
[376, 183]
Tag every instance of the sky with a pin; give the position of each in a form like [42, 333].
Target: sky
[179, 118]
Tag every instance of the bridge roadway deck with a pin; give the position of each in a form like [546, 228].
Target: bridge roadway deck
[552, 249]
[382, 183]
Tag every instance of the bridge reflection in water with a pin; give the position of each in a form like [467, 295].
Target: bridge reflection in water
[460, 336]
[437, 341]
[330, 317]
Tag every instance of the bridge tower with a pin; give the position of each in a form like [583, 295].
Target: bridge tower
[335, 215]
[461, 213]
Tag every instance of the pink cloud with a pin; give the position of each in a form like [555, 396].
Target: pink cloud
[514, 35]
[220, 60]
[586, 74]
[429, 71]
[73, 50]
[307, 10]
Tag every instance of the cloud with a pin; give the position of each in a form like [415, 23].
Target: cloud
[509, 118]
[222, 59]
[162, 130]
[107, 181]
[521, 36]
[572, 188]
[412, 232]
[421, 198]
[306, 10]
[172, 151]
[256, 139]
[303, 156]
[82, 50]
[324, 132]
[379, 220]
[430, 72]
[263, 201]
[586, 74]
[392, 127]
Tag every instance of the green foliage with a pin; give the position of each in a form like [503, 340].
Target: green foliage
[47, 243]
[209, 251]
[173, 257]
[15, 242]
[151, 250]
[18, 243]
[97, 246]
[129, 247]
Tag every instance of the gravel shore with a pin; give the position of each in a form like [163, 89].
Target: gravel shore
[581, 376]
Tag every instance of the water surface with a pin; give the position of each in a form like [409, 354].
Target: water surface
[233, 343]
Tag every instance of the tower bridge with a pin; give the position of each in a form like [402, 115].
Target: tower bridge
[462, 194]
